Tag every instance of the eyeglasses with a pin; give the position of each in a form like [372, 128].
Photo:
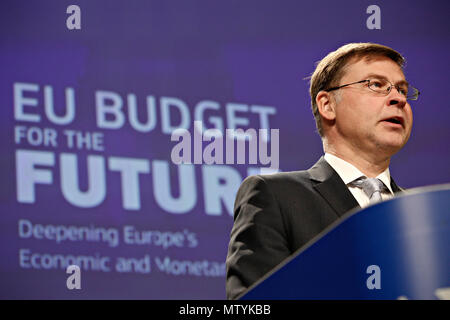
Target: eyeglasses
[384, 87]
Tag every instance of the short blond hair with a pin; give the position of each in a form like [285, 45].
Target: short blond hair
[331, 69]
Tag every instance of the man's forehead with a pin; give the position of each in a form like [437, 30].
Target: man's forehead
[373, 65]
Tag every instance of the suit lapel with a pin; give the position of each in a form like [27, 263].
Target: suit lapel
[395, 187]
[331, 187]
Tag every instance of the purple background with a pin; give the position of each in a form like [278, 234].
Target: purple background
[251, 52]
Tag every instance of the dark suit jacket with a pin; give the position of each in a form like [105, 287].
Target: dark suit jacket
[275, 215]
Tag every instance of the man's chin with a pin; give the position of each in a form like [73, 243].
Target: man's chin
[391, 146]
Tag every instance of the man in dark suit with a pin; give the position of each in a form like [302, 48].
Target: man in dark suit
[359, 99]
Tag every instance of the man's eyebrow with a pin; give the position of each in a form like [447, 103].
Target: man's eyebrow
[374, 75]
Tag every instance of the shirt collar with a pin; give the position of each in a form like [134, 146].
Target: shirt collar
[349, 172]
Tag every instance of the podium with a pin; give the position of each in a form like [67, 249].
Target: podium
[396, 249]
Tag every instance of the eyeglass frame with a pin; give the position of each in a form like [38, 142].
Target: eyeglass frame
[413, 98]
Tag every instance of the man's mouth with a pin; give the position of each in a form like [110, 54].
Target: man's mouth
[394, 120]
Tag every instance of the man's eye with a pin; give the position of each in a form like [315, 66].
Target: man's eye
[377, 84]
[403, 91]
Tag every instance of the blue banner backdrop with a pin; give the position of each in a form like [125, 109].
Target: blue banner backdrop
[87, 116]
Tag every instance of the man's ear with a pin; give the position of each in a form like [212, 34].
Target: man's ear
[326, 105]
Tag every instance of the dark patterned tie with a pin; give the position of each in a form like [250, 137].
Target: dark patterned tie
[372, 187]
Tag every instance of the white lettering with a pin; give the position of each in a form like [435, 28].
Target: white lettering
[96, 181]
[129, 170]
[20, 102]
[374, 20]
[74, 20]
[27, 175]
[74, 280]
[374, 281]
[163, 190]
[114, 110]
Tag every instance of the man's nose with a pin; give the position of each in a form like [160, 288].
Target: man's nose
[396, 98]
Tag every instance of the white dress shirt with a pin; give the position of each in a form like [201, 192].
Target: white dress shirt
[350, 173]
